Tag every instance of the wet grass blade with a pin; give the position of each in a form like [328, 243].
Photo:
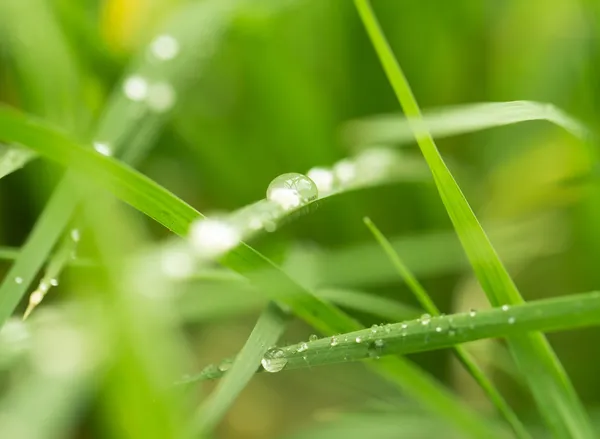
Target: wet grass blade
[461, 119]
[421, 335]
[556, 398]
[461, 353]
[266, 332]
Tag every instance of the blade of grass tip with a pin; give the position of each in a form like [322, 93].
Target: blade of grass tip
[461, 353]
[460, 119]
[555, 396]
[13, 158]
[266, 332]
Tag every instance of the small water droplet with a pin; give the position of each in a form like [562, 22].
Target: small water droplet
[44, 287]
[425, 319]
[213, 237]
[303, 347]
[54, 282]
[75, 236]
[274, 360]
[313, 337]
[404, 326]
[358, 339]
[161, 97]
[511, 320]
[505, 307]
[164, 47]
[36, 297]
[345, 171]
[18, 280]
[225, 365]
[334, 341]
[379, 343]
[374, 329]
[323, 178]
[388, 328]
[135, 88]
[292, 190]
[102, 148]
[438, 329]
[472, 313]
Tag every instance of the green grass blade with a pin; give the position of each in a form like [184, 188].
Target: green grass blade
[550, 385]
[461, 353]
[461, 119]
[13, 158]
[266, 332]
[546, 315]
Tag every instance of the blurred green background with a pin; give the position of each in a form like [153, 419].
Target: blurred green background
[274, 98]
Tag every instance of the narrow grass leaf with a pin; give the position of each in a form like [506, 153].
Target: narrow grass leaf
[549, 383]
[461, 353]
[460, 119]
[266, 332]
[13, 158]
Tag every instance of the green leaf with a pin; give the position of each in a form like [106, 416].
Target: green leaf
[461, 353]
[461, 119]
[550, 385]
[13, 158]
[266, 332]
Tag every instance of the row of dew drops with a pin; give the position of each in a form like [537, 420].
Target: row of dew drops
[159, 97]
[275, 359]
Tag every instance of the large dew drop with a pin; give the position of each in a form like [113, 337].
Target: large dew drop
[274, 360]
[292, 190]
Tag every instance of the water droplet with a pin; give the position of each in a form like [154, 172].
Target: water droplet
[374, 329]
[303, 347]
[164, 47]
[274, 360]
[472, 313]
[345, 171]
[225, 365]
[323, 178]
[135, 88]
[313, 337]
[54, 282]
[438, 329]
[425, 319]
[102, 148]
[18, 280]
[44, 287]
[358, 339]
[36, 297]
[177, 263]
[75, 236]
[379, 343]
[404, 326]
[161, 97]
[373, 164]
[388, 328]
[505, 307]
[291, 190]
[334, 341]
[213, 237]
[511, 320]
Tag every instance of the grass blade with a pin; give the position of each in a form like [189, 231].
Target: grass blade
[13, 158]
[550, 385]
[546, 315]
[461, 353]
[268, 329]
[460, 119]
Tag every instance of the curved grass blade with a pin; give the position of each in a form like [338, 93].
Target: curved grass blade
[421, 335]
[555, 396]
[460, 119]
[266, 332]
[461, 353]
[13, 158]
